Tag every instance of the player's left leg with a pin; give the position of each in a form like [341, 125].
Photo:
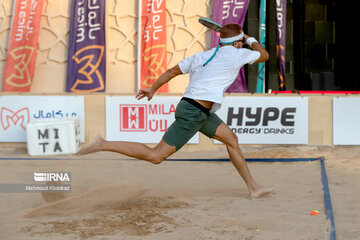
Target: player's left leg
[154, 155]
[189, 119]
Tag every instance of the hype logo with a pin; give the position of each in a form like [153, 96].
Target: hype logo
[89, 59]
[7, 116]
[20, 58]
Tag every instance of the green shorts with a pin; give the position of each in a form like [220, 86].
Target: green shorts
[189, 119]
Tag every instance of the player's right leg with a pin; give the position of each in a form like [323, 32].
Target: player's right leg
[225, 135]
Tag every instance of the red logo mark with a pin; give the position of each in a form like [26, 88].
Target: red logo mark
[133, 117]
[7, 115]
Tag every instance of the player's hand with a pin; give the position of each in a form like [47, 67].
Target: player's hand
[147, 92]
[246, 37]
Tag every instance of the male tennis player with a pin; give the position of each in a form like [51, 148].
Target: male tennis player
[211, 72]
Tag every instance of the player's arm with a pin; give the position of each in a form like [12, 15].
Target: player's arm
[256, 46]
[164, 78]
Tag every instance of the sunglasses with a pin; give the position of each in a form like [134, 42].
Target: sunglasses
[241, 40]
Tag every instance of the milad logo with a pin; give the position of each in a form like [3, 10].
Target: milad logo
[52, 176]
[133, 117]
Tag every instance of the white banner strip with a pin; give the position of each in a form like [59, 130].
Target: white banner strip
[17, 111]
[346, 121]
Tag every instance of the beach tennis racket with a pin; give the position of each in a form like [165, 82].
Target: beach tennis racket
[210, 24]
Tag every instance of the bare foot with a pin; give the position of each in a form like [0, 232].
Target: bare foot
[94, 146]
[261, 191]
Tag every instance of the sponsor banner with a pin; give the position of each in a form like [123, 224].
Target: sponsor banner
[281, 41]
[226, 12]
[128, 119]
[267, 120]
[260, 86]
[153, 43]
[21, 57]
[86, 70]
[17, 111]
[346, 119]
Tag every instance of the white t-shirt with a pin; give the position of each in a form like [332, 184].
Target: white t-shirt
[209, 82]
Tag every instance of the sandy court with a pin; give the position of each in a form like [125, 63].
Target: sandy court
[114, 197]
